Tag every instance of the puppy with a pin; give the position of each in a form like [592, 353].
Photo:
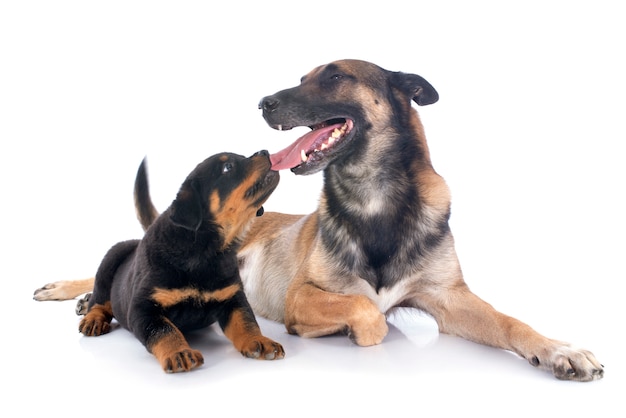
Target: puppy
[183, 275]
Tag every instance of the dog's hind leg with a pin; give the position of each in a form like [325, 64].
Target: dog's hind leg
[97, 321]
[63, 289]
[99, 314]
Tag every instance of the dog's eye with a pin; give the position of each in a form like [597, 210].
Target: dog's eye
[227, 167]
[336, 77]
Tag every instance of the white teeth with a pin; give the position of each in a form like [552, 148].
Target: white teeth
[279, 127]
[334, 136]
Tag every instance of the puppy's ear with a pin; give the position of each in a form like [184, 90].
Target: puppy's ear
[416, 87]
[187, 208]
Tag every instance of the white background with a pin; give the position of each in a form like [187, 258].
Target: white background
[529, 133]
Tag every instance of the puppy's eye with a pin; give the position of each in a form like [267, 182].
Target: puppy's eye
[227, 167]
[336, 77]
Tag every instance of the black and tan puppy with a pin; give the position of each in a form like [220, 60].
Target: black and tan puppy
[183, 274]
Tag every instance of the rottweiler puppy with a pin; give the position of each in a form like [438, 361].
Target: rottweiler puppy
[183, 275]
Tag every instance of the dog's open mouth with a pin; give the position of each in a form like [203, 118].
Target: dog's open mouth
[311, 149]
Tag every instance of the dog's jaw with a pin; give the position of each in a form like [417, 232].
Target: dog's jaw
[313, 151]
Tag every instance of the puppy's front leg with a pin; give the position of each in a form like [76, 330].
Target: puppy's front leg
[170, 347]
[314, 312]
[241, 328]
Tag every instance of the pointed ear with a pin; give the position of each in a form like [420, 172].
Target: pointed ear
[416, 87]
[186, 210]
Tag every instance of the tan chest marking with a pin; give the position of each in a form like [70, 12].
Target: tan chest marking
[170, 297]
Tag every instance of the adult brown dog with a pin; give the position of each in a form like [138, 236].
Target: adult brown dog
[380, 237]
[183, 274]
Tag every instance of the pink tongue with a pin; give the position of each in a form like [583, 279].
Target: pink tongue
[290, 156]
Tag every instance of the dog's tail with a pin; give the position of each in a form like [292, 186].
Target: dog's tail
[146, 212]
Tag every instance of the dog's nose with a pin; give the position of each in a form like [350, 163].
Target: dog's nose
[262, 152]
[268, 104]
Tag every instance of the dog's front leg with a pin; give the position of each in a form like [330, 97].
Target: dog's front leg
[464, 314]
[170, 347]
[241, 328]
[314, 312]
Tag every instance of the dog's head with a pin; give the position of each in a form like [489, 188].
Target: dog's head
[341, 102]
[226, 190]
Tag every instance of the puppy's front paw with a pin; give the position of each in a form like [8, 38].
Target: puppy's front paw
[182, 361]
[263, 348]
[568, 363]
[97, 321]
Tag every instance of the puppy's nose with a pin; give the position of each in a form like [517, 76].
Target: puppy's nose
[262, 152]
[268, 104]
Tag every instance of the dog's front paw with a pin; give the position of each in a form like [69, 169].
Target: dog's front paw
[368, 326]
[263, 348]
[567, 363]
[371, 334]
[182, 361]
[97, 321]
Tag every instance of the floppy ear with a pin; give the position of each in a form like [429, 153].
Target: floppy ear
[187, 208]
[416, 87]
